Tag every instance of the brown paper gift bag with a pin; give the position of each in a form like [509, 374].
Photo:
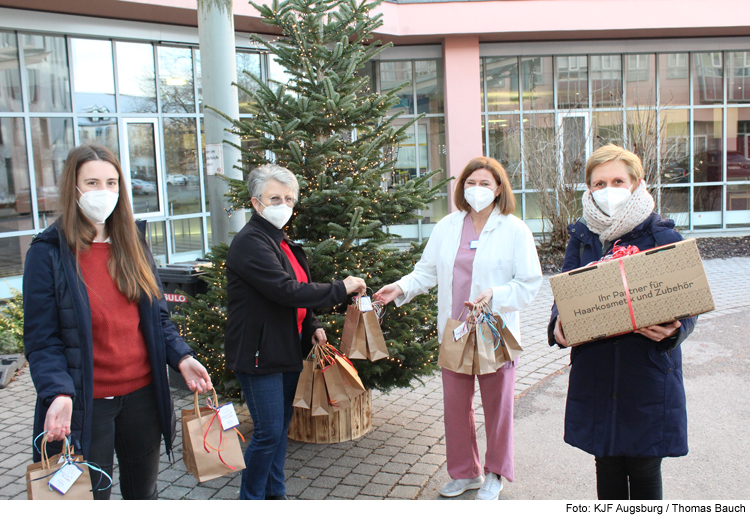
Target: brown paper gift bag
[457, 356]
[338, 398]
[39, 474]
[320, 405]
[352, 383]
[303, 395]
[376, 348]
[487, 358]
[509, 347]
[209, 452]
[353, 337]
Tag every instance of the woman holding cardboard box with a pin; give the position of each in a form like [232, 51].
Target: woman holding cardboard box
[626, 399]
[480, 252]
[270, 324]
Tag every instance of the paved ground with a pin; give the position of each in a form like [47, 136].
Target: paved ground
[403, 457]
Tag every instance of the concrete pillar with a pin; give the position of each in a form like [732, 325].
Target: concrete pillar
[218, 72]
[463, 111]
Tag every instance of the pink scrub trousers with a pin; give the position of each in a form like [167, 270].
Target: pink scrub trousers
[498, 391]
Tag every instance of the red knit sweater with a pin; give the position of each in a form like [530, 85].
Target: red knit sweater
[121, 363]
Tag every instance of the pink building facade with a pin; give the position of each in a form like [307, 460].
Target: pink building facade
[490, 77]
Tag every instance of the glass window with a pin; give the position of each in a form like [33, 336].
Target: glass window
[46, 61]
[247, 63]
[51, 139]
[102, 130]
[406, 166]
[674, 84]
[277, 72]
[738, 144]
[738, 75]
[675, 146]
[135, 77]
[539, 152]
[10, 75]
[675, 204]
[606, 128]
[502, 84]
[707, 145]
[481, 87]
[572, 82]
[176, 86]
[738, 205]
[15, 196]
[187, 234]
[505, 144]
[156, 237]
[708, 78]
[144, 183]
[606, 80]
[392, 75]
[181, 159]
[640, 80]
[434, 128]
[429, 80]
[537, 83]
[13, 250]
[707, 207]
[93, 76]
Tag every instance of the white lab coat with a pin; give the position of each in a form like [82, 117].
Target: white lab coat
[506, 261]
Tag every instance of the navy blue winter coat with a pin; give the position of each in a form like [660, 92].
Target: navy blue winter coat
[58, 339]
[626, 395]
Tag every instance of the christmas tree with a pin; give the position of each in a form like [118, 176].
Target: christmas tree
[337, 136]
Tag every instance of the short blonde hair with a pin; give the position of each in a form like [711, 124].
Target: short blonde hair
[612, 152]
[505, 203]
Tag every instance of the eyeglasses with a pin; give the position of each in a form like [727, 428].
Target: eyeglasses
[278, 200]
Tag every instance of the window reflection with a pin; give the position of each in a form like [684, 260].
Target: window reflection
[93, 76]
[181, 159]
[606, 80]
[102, 130]
[505, 144]
[708, 78]
[572, 82]
[674, 83]
[738, 205]
[135, 77]
[675, 146]
[606, 128]
[176, 85]
[15, 196]
[51, 138]
[707, 145]
[537, 83]
[143, 174]
[738, 144]
[429, 81]
[738, 72]
[46, 61]
[502, 83]
[392, 75]
[10, 75]
[247, 63]
[675, 204]
[640, 80]
[13, 255]
[187, 234]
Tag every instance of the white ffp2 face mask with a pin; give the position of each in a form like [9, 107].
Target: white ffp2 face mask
[277, 215]
[98, 205]
[611, 199]
[479, 197]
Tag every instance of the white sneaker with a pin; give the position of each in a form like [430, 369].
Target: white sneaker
[493, 485]
[456, 487]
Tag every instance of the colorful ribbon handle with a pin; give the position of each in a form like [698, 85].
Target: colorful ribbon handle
[214, 406]
[67, 454]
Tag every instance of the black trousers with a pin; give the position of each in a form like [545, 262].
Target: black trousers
[128, 425]
[624, 478]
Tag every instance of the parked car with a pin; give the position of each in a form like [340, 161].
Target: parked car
[142, 186]
[46, 199]
[176, 179]
[738, 166]
[674, 173]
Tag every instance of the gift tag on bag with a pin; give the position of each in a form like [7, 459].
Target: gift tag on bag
[460, 331]
[65, 477]
[365, 304]
[228, 416]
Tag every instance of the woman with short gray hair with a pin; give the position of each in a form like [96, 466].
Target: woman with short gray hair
[270, 324]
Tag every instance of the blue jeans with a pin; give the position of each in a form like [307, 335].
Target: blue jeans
[269, 400]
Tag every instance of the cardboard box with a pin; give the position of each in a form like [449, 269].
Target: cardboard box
[663, 284]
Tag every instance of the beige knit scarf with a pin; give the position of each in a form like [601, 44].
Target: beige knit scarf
[610, 228]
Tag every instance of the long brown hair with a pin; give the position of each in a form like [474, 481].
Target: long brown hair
[505, 202]
[128, 265]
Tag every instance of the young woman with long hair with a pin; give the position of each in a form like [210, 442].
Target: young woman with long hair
[97, 331]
